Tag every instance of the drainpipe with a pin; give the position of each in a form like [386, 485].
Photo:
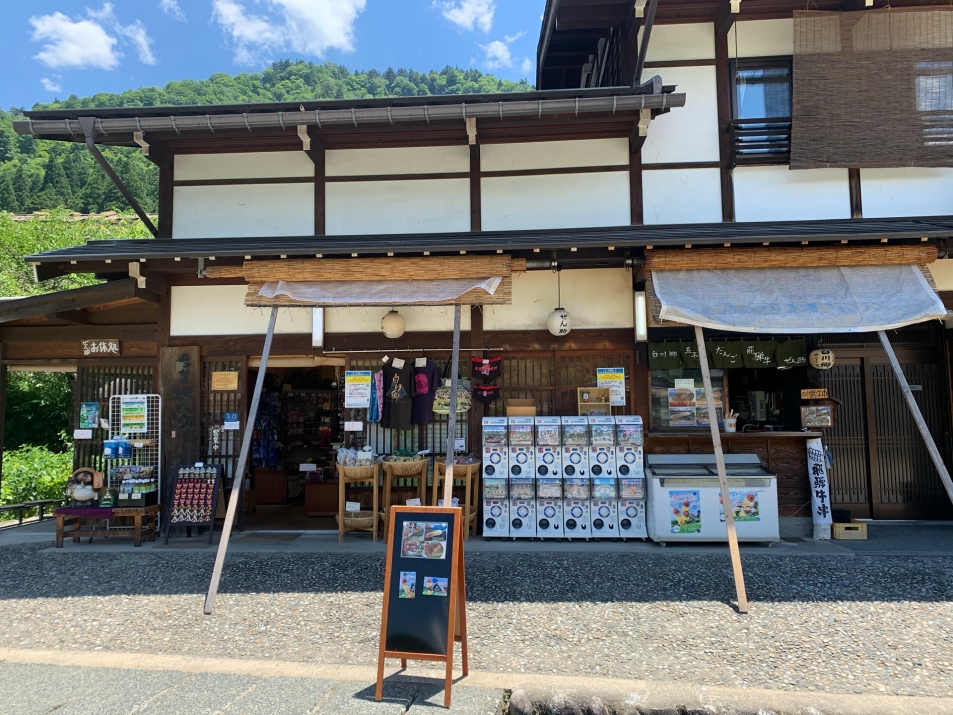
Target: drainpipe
[88, 124]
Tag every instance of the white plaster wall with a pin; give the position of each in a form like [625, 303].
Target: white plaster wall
[220, 310]
[761, 38]
[695, 41]
[906, 192]
[681, 196]
[942, 272]
[368, 320]
[245, 165]
[397, 160]
[415, 205]
[596, 298]
[554, 155]
[555, 201]
[688, 133]
[775, 193]
[243, 210]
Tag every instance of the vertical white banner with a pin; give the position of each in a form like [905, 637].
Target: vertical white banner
[820, 488]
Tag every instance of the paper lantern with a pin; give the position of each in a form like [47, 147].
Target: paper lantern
[822, 359]
[559, 322]
[393, 324]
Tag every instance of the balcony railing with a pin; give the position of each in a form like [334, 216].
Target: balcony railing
[760, 141]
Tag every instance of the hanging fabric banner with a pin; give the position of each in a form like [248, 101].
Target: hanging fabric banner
[820, 488]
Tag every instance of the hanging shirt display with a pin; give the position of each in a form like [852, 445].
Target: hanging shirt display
[399, 391]
[426, 382]
[377, 397]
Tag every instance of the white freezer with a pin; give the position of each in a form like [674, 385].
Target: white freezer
[684, 498]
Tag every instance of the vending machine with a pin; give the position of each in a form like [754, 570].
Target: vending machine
[576, 495]
[603, 505]
[549, 491]
[631, 474]
[522, 477]
[496, 513]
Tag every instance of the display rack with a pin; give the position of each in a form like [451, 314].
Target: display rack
[194, 498]
[138, 419]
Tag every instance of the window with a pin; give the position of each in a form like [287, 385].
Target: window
[761, 110]
[934, 88]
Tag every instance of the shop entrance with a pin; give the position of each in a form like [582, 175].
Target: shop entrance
[882, 469]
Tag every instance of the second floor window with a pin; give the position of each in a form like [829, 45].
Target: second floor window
[761, 110]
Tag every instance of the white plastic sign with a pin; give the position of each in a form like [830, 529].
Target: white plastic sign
[352, 506]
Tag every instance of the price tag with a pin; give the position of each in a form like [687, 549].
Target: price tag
[200, 464]
[103, 423]
[307, 467]
[399, 363]
[82, 434]
[353, 426]
[352, 506]
[413, 502]
[420, 362]
[385, 359]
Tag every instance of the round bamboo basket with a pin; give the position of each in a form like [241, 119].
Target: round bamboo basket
[359, 520]
[416, 468]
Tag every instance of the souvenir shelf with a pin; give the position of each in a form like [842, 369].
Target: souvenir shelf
[312, 416]
[134, 471]
[264, 444]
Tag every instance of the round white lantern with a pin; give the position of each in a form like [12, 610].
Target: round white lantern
[393, 324]
[559, 322]
[822, 359]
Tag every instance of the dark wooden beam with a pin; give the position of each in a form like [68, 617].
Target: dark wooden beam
[549, 24]
[75, 299]
[723, 87]
[476, 193]
[856, 202]
[316, 152]
[71, 316]
[725, 19]
[636, 207]
[644, 44]
[69, 333]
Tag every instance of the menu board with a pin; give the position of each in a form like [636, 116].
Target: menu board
[424, 590]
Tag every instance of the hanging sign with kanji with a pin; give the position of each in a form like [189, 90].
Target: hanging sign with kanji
[101, 348]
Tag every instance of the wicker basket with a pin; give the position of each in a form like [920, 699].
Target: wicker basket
[407, 469]
[357, 520]
[366, 472]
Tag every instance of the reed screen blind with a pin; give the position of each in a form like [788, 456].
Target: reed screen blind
[873, 89]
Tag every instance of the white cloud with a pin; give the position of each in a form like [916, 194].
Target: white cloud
[137, 35]
[498, 55]
[306, 26]
[73, 43]
[51, 86]
[172, 9]
[85, 42]
[467, 13]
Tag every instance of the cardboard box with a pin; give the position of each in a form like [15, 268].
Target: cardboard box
[521, 408]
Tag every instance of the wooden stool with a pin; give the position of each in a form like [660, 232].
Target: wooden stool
[362, 521]
[469, 474]
[403, 470]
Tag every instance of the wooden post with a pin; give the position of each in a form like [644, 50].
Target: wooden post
[452, 417]
[238, 482]
[917, 415]
[722, 475]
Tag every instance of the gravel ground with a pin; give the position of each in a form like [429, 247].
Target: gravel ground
[880, 625]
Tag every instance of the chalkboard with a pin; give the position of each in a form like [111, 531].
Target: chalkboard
[194, 498]
[424, 590]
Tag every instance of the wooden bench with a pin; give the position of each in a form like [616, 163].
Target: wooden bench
[144, 523]
[39, 505]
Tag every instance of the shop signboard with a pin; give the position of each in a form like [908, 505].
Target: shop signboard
[820, 488]
[612, 378]
[817, 393]
[424, 605]
[357, 389]
[101, 348]
[195, 498]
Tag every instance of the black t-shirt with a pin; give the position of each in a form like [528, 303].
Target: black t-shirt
[399, 391]
[426, 381]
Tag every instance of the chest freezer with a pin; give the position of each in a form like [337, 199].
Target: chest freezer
[685, 504]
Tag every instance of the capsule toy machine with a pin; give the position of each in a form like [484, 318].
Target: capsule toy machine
[631, 474]
[496, 509]
[522, 477]
[549, 485]
[603, 504]
[576, 494]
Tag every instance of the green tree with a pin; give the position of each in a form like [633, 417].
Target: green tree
[39, 409]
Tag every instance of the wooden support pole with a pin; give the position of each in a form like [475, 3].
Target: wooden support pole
[238, 481]
[722, 474]
[917, 415]
[452, 417]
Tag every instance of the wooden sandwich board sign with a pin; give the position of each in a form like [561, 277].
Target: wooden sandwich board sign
[424, 609]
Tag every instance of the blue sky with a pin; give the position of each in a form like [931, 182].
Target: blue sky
[54, 48]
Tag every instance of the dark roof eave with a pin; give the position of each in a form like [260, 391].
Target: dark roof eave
[754, 233]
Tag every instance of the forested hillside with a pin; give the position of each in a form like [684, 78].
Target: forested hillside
[37, 175]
